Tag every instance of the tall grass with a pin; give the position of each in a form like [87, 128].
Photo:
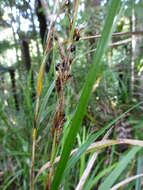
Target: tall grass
[77, 145]
[95, 72]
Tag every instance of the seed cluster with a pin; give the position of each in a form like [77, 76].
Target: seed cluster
[63, 75]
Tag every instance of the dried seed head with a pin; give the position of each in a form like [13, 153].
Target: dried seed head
[64, 65]
[67, 2]
[57, 67]
[73, 48]
[69, 76]
[58, 85]
[70, 60]
[76, 35]
[77, 38]
[56, 38]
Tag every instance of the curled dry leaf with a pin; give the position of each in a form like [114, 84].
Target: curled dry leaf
[126, 181]
[92, 148]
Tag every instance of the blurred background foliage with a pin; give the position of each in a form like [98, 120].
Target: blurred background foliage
[23, 28]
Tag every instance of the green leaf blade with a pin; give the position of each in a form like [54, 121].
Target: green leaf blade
[95, 71]
[110, 180]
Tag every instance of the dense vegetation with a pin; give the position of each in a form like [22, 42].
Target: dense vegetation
[71, 94]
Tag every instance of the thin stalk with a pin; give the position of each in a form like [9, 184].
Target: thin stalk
[76, 2]
[53, 154]
[32, 159]
[114, 35]
[90, 165]
[39, 90]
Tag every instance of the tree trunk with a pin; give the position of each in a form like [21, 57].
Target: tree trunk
[26, 54]
[43, 19]
[35, 33]
[93, 8]
[13, 84]
[27, 62]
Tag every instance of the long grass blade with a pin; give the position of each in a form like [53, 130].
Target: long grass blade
[95, 147]
[99, 176]
[139, 171]
[94, 73]
[90, 165]
[85, 146]
[111, 179]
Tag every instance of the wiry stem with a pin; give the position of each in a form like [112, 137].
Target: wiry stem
[39, 90]
[114, 35]
[63, 71]
[63, 74]
[32, 159]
